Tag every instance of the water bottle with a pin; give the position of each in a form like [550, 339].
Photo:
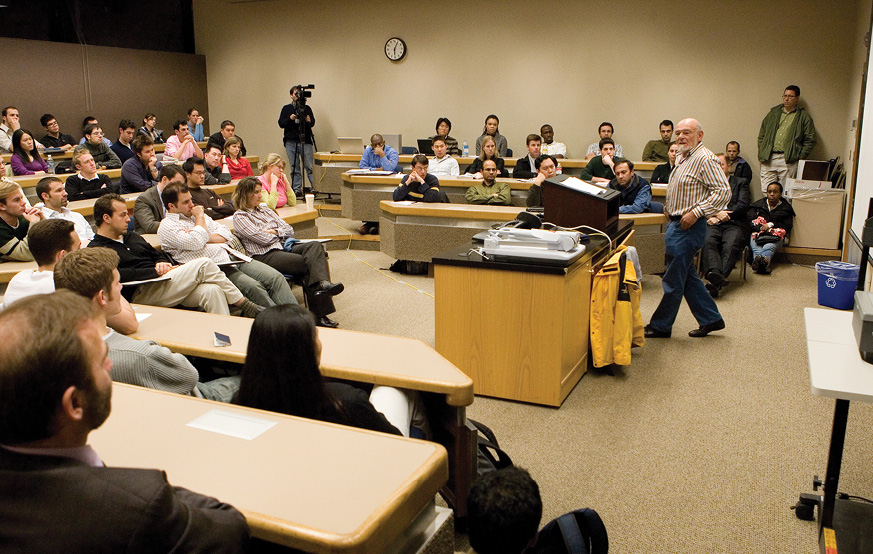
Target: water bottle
[51, 165]
[559, 170]
[466, 149]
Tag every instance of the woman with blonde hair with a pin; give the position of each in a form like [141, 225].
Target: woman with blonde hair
[274, 183]
[489, 152]
[237, 166]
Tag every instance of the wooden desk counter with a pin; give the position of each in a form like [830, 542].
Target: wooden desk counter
[30, 181]
[354, 355]
[418, 231]
[304, 484]
[8, 270]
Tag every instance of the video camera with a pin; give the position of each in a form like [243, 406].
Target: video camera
[304, 92]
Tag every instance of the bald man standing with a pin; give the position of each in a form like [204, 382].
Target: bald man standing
[697, 189]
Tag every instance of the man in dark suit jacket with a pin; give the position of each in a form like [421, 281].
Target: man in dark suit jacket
[727, 233]
[148, 211]
[228, 129]
[525, 168]
[55, 492]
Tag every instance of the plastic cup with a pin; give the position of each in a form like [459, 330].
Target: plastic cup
[310, 201]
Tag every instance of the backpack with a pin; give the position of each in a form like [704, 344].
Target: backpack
[577, 532]
[490, 457]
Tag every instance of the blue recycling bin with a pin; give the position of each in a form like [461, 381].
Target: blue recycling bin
[836, 284]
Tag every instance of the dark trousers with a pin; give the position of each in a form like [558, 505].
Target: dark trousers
[681, 279]
[723, 247]
[307, 264]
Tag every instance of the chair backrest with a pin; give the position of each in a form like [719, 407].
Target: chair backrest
[577, 532]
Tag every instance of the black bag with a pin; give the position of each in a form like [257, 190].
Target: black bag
[408, 267]
[577, 532]
[761, 240]
[490, 457]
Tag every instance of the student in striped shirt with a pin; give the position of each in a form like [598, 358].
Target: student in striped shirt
[698, 189]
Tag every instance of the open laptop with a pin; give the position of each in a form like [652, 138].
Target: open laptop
[425, 146]
[351, 145]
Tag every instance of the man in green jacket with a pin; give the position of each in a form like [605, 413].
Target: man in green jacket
[787, 135]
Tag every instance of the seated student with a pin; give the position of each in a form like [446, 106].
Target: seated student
[605, 131]
[656, 150]
[268, 239]
[636, 193]
[600, 168]
[92, 273]
[661, 174]
[148, 129]
[546, 169]
[274, 183]
[15, 220]
[11, 123]
[103, 155]
[419, 185]
[443, 165]
[148, 210]
[187, 233]
[737, 165]
[87, 183]
[53, 204]
[489, 152]
[182, 145]
[237, 166]
[89, 121]
[216, 207]
[525, 167]
[25, 156]
[549, 146]
[380, 156]
[228, 129]
[216, 173]
[727, 233]
[121, 147]
[489, 191]
[49, 241]
[195, 124]
[55, 491]
[504, 510]
[443, 128]
[54, 138]
[491, 130]
[197, 284]
[772, 218]
[281, 374]
[140, 173]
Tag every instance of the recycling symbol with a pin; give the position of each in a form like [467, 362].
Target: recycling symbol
[831, 283]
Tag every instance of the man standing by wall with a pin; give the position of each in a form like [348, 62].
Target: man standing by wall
[697, 190]
[289, 119]
[787, 134]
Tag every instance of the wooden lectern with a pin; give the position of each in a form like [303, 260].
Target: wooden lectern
[570, 202]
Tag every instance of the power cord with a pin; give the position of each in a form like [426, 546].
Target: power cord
[374, 268]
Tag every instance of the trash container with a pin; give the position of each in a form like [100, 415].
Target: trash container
[836, 284]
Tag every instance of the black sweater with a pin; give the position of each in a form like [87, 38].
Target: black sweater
[137, 258]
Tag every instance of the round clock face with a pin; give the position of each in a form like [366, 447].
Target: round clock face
[395, 49]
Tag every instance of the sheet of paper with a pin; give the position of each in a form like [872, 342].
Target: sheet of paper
[233, 424]
[141, 317]
[579, 184]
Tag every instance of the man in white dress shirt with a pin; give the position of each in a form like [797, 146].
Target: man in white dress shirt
[442, 165]
[53, 194]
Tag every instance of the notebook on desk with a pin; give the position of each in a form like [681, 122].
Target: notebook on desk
[351, 145]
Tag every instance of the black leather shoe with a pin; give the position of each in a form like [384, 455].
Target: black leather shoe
[715, 278]
[326, 287]
[325, 321]
[704, 330]
[655, 334]
[712, 289]
[757, 263]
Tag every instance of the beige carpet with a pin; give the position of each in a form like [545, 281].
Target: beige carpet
[701, 445]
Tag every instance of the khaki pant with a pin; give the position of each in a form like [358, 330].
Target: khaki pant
[198, 283]
[776, 170]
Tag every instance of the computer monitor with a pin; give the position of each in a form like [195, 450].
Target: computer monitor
[351, 145]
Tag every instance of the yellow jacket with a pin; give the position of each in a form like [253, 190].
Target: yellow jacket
[616, 321]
